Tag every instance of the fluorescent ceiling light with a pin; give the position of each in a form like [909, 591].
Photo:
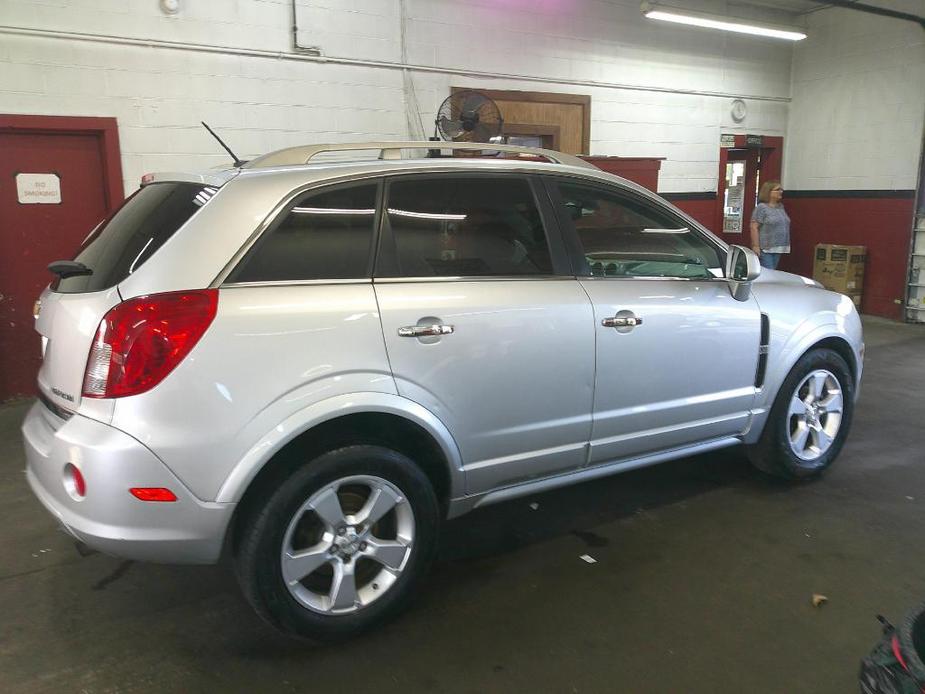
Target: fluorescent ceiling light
[699, 19]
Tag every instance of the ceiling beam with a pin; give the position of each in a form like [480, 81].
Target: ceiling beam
[873, 9]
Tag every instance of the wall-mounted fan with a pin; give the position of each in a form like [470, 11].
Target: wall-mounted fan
[469, 116]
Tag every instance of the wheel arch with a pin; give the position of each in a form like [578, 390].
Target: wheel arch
[372, 418]
[825, 336]
[840, 345]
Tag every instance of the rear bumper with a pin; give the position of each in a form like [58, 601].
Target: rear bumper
[108, 518]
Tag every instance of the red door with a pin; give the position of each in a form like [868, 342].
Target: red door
[44, 160]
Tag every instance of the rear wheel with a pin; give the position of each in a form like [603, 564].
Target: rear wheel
[810, 418]
[341, 545]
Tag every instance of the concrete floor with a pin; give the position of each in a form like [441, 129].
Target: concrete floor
[703, 582]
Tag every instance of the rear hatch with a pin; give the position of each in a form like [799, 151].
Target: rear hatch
[74, 304]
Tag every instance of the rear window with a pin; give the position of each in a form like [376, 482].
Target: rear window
[122, 243]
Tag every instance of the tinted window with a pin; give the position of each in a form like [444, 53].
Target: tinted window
[323, 235]
[622, 237]
[454, 226]
[123, 243]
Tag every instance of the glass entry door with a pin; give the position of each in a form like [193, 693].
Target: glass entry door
[741, 190]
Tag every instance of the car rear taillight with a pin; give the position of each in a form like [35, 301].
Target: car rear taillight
[140, 341]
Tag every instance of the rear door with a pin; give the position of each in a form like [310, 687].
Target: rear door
[72, 308]
[676, 354]
[484, 325]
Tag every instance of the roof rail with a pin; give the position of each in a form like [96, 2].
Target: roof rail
[392, 150]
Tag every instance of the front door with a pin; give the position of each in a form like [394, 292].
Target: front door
[676, 354]
[483, 325]
[53, 190]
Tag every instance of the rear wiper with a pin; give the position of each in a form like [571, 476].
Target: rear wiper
[69, 268]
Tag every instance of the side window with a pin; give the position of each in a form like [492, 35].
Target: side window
[324, 235]
[452, 226]
[622, 237]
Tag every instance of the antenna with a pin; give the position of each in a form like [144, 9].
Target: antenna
[237, 162]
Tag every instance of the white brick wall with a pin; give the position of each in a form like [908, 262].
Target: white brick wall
[159, 95]
[858, 102]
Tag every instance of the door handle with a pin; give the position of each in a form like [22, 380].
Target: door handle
[621, 322]
[425, 330]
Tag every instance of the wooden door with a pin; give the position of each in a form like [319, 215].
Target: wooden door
[564, 120]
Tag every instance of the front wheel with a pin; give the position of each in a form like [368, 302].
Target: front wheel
[341, 545]
[810, 418]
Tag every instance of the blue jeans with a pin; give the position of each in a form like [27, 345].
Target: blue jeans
[769, 260]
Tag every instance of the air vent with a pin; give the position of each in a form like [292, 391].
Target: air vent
[763, 351]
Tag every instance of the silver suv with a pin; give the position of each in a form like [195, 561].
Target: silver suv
[308, 365]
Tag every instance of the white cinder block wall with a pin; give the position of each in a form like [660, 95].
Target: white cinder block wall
[232, 65]
[858, 104]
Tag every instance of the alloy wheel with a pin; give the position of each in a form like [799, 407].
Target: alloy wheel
[815, 415]
[347, 544]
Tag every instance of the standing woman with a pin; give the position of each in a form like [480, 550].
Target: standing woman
[770, 225]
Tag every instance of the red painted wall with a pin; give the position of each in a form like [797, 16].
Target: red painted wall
[641, 170]
[882, 224]
[704, 211]
[701, 210]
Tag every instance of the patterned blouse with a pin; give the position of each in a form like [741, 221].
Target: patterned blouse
[773, 228]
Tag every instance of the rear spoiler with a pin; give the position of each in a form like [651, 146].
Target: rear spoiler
[215, 179]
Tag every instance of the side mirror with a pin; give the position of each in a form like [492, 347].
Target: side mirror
[742, 268]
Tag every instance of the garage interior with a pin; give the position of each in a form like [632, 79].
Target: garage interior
[702, 572]
[703, 582]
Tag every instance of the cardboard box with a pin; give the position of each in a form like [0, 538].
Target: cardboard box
[841, 268]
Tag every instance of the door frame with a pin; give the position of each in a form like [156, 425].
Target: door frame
[771, 153]
[750, 157]
[105, 129]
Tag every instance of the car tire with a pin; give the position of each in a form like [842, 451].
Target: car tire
[809, 420]
[912, 643]
[367, 555]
